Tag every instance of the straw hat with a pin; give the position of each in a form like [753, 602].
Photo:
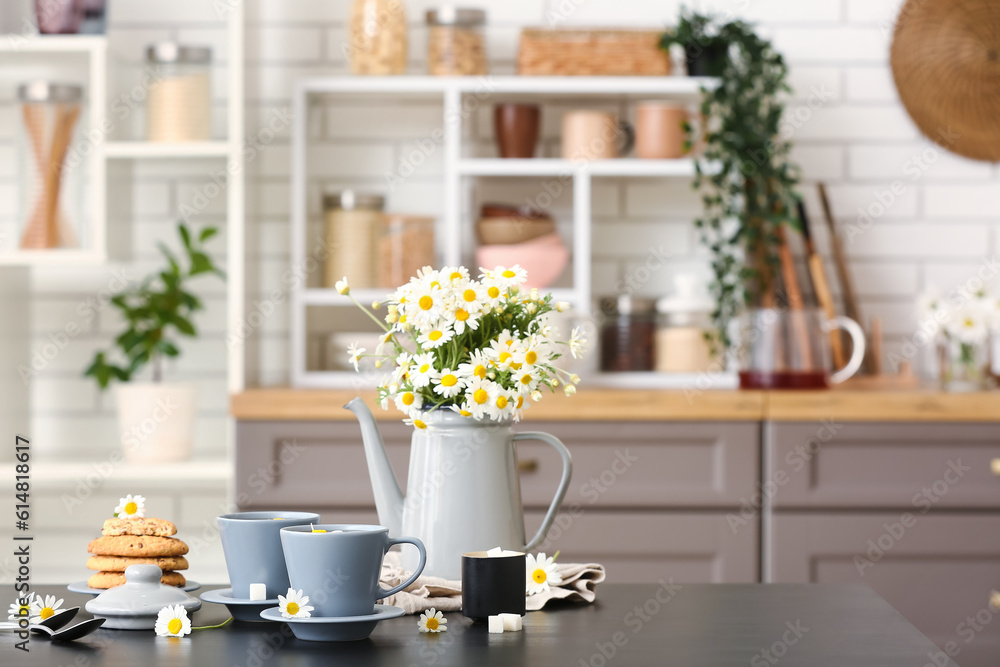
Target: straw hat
[946, 63]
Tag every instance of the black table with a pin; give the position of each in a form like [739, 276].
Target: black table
[694, 625]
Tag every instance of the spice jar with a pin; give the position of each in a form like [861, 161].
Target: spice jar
[405, 247]
[353, 224]
[684, 319]
[627, 334]
[456, 43]
[180, 93]
[378, 37]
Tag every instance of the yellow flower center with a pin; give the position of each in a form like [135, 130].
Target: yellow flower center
[480, 371]
[465, 413]
[526, 378]
[504, 356]
[508, 274]
[539, 576]
[494, 292]
[424, 368]
[435, 335]
[46, 612]
[969, 323]
[455, 275]
[426, 303]
[520, 402]
[449, 380]
[435, 284]
[469, 295]
[432, 624]
[480, 396]
[175, 624]
[292, 608]
[531, 357]
[501, 402]
[131, 508]
[419, 424]
[408, 398]
[461, 315]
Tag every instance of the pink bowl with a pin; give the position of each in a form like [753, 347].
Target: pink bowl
[544, 258]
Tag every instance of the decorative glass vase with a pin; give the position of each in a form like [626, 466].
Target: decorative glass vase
[964, 366]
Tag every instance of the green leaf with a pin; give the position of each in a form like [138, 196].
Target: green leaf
[185, 235]
[183, 325]
[207, 233]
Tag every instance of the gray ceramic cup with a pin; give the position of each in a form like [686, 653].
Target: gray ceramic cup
[340, 571]
[252, 546]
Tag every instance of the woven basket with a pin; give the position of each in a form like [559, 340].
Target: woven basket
[946, 63]
[548, 52]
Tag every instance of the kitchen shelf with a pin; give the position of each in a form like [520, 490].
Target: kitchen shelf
[154, 150]
[19, 44]
[324, 296]
[453, 232]
[679, 381]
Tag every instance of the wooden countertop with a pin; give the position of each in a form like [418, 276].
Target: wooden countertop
[595, 404]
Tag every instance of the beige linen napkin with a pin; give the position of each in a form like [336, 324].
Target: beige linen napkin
[579, 584]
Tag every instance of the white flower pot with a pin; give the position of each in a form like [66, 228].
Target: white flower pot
[156, 421]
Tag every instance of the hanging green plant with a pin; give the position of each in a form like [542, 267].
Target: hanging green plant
[749, 191]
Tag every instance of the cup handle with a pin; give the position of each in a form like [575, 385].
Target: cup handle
[858, 344]
[383, 593]
[629, 133]
[567, 472]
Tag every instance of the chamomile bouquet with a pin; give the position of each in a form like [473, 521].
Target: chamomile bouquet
[480, 347]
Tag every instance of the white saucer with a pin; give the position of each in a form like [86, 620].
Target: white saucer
[82, 587]
[241, 609]
[334, 628]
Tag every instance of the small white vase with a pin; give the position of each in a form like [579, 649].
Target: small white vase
[156, 421]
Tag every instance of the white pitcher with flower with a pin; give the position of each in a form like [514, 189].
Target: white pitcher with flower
[468, 356]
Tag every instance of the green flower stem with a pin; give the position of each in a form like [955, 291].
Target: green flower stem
[369, 313]
[212, 627]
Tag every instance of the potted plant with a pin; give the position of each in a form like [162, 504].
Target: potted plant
[704, 42]
[156, 418]
[749, 190]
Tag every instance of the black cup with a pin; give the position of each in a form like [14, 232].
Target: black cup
[492, 585]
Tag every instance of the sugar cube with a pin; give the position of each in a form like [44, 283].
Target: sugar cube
[496, 625]
[258, 592]
[511, 622]
[495, 551]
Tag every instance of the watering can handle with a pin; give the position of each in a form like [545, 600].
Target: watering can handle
[563, 483]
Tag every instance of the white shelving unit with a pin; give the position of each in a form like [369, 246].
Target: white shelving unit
[460, 164]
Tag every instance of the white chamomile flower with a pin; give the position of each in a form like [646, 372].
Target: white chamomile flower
[416, 423]
[477, 396]
[422, 371]
[453, 275]
[47, 607]
[504, 349]
[462, 319]
[526, 380]
[173, 621]
[408, 402]
[577, 343]
[540, 573]
[532, 353]
[131, 507]
[354, 354]
[435, 337]
[342, 286]
[502, 403]
[432, 620]
[24, 607]
[294, 604]
[477, 366]
[968, 324]
[512, 277]
[426, 305]
[448, 384]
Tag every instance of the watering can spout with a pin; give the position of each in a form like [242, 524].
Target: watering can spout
[388, 496]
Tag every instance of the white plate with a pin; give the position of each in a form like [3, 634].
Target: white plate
[82, 587]
[334, 628]
[241, 609]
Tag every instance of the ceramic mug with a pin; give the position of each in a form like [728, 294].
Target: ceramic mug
[492, 585]
[252, 546]
[659, 130]
[516, 127]
[595, 135]
[339, 571]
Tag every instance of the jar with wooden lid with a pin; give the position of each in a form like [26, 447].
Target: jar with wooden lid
[456, 42]
[353, 225]
[627, 334]
[406, 246]
[378, 37]
[180, 93]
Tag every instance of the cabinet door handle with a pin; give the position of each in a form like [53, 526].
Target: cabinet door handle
[527, 465]
[995, 600]
[995, 466]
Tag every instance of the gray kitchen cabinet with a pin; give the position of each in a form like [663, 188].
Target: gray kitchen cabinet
[937, 569]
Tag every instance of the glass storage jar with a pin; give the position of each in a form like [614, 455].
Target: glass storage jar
[627, 333]
[405, 247]
[456, 43]
[353, 225]
[180, 93]
[50, 167]
[378, 37]
[684, 320]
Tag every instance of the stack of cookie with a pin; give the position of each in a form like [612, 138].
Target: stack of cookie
[136, 541]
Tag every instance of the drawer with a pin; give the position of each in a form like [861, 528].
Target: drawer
[640, 547]
[643, 464]
[908, 466]
[310, 464]
[938, 571]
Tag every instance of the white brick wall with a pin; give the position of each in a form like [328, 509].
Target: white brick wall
[859, 141]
